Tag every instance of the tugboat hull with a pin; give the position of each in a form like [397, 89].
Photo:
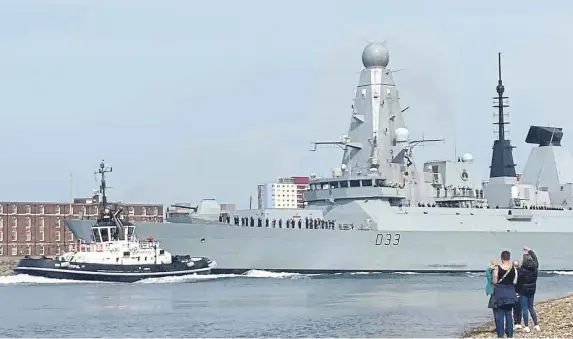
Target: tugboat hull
[50, 268]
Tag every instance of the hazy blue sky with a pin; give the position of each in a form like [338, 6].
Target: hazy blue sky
[193, 99]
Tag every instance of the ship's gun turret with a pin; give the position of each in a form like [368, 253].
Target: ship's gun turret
[544, 136]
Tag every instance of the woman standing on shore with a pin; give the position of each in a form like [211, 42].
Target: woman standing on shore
[489, 285]
[527, 286]
[504, 296]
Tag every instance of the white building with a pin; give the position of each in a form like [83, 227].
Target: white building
[281, 194]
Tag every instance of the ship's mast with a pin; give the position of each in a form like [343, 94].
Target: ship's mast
[500, 105]
[102, 170]
[502, 164]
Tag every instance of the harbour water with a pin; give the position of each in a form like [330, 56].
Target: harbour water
[257, 304]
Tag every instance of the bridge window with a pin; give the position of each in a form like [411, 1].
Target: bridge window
[334, 184]
[367, 183]
[354, 183]
[104, 234]
[379, 182]
[344, 184]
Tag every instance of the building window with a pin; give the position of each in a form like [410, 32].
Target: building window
[14, 209]
[57, 209]
[1, 235]
[1, 208]
[144, 210]
[14, 236]
[28, 236]
[42, 250]
[71, 247]
[14, 250]
[28, 222]
[155, 210]
[41, 209]
[95, 210]
[41, 222]
[70, 236]
[57, 236]
[58, 223]
[58, 251]
[28, 209]
[28, 250]
[131, 210]
[41, 235]
[14, 222]
[1, 250]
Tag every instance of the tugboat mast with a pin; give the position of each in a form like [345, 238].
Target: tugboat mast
[102, 170]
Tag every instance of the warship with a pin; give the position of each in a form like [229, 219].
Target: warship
[113, 253]
[379, 213]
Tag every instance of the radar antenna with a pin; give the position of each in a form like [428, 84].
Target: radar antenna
[102, 170]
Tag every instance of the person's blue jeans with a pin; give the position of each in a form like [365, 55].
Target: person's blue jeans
[527, 306]
[504, 321]
[517, 312]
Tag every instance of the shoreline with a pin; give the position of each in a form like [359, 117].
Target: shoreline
[555, 318]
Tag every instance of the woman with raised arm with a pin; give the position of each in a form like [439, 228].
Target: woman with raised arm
[504, 296]
[527, 286]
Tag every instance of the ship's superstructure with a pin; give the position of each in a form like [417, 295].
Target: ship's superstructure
[378, 212]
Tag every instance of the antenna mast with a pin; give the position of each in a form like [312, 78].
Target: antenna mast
[502, 164]
[102, 170]
[500, 104]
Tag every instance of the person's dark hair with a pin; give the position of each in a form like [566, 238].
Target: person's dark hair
[505, 255]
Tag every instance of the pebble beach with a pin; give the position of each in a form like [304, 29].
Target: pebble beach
[555, 319]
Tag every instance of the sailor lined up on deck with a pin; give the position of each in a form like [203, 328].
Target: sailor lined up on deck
[308, 223]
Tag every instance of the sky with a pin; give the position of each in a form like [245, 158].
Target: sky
[206, 99]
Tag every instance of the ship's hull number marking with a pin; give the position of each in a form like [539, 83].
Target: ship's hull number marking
[387, 239]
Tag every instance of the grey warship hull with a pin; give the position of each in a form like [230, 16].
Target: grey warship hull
[451, 240]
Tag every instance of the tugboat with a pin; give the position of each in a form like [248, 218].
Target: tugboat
[114, 253]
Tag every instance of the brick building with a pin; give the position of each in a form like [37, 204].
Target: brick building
[37, 228]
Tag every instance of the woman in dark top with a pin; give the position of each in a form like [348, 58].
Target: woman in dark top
[527, 286]
[504, 278]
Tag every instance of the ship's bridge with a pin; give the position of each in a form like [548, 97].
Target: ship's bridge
[104, 233]
[353, 187]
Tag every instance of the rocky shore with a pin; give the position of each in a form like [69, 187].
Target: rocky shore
[555, 318]
[7, 266]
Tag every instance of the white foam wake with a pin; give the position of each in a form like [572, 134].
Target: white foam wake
[562, 272]
[29, 279]
[277, 275]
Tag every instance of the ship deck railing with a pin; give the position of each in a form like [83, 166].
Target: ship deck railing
[101, 246]
[149, 244]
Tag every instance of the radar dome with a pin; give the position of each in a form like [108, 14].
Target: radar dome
[375, 55]
[401, 134]
[467, 157]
